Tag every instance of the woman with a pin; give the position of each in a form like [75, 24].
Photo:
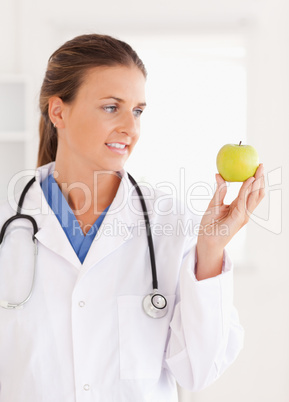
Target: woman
[84, 333]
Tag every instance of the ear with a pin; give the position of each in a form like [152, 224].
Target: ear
[55, 111]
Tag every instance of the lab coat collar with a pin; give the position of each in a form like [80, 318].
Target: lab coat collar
[124, 214]
[50, 232]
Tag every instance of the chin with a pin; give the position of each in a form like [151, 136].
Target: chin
[110, 167]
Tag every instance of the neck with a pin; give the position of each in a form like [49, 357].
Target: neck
[86, 190]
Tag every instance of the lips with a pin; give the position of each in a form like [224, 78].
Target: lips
[117, 147]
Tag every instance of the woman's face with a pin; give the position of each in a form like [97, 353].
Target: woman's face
[102, 125]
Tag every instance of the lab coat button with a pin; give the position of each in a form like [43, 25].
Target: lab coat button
[81, 303]
[86, 387]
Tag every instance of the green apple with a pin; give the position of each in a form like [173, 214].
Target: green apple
[236, 162]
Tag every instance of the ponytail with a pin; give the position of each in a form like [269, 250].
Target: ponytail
[47, 142]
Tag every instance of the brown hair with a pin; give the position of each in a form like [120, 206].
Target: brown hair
[65, 73]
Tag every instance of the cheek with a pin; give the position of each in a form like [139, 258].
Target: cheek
[88, 134]
[134, 141]
[137, 135]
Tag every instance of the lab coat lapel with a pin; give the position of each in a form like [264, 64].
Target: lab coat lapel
[123, 216]
[52, 236]
[50, 232]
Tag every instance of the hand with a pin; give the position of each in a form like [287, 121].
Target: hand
[221, 222]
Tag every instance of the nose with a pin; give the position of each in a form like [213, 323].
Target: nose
[129, 124]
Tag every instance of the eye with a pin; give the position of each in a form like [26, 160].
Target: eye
[137, 112]
[110, 108]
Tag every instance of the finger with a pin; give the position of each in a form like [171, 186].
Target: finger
[251, 193]
[260, 171]
[220, 192]
[262, 188]
[244, 192]
[258, 187]
[253, 196]
[257, 193]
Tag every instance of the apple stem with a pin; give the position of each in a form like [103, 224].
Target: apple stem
[240, 143]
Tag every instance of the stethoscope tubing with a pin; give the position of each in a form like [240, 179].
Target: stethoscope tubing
[19, 215]
[150, 307]
[4, 303]
[24, 192]
[149, 232]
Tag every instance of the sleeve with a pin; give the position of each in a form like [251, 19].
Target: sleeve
[205, 333]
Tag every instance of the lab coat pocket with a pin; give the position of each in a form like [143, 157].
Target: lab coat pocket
[142, 339]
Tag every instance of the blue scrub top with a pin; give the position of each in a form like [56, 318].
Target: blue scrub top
[57, 202]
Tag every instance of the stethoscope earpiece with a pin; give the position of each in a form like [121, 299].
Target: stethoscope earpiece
[155, 305]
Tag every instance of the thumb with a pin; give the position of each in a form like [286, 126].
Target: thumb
[221, 191]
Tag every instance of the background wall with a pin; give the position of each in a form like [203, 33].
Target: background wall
[30, 31]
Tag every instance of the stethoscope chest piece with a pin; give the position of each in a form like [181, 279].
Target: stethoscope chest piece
[155, 305]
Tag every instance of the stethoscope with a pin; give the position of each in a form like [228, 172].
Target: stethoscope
[154, 304]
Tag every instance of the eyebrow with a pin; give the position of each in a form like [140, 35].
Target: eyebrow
[122, 101]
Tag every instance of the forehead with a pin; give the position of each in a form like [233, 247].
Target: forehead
[108, 79]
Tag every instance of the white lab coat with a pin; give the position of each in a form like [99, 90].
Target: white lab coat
[84, 336]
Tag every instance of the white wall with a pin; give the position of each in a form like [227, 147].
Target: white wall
[261, 372]
[27, 37]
